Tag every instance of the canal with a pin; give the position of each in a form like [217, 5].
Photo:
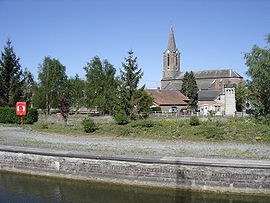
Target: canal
[23, 188]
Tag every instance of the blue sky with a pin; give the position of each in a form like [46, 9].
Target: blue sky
[210, 34]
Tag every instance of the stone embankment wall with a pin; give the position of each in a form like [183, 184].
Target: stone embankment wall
[182, 173]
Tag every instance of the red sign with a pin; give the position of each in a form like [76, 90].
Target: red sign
[21, 108]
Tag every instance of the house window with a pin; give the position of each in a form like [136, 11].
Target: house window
[174, 109]
[217, 108]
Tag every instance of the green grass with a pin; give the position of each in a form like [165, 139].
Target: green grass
[233, 151]
[244, 130]
[35, 142]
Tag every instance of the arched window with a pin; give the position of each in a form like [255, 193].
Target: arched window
[168, 59]
[176, 60]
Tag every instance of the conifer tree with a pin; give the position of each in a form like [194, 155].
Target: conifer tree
[190, 89]
[133, 100]
[11, 78]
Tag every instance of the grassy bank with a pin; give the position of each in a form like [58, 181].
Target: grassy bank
[244, 130]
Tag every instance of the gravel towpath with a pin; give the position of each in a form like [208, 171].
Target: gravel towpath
[131, 147]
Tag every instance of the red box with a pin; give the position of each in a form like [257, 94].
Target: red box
[21, 109]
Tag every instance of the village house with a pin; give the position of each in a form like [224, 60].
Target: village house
[168, 100]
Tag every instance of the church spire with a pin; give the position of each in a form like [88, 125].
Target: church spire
[171, 43]
[171, 58]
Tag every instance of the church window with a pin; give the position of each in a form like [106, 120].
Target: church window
[168, 59]
[176, 60]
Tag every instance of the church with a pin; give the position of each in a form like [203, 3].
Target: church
[216, 87]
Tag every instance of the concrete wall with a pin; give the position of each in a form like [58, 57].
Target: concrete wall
[183, 173]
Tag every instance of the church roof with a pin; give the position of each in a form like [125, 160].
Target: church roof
[168, 97]
[171, 43]
[209, 74]
[208, 95]
[174, 86]
[202, 85]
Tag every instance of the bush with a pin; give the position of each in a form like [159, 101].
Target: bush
[89, 125]
[32, 116]
[156, 108]
[194, 120]
[121, 119]
[265, 120]
[8, 115]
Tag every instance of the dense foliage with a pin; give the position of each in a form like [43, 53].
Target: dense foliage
[77, 92]
[64, 106]
[8, 115]
[258, 61]
[52, 84]
[101, 85]
[11, 77]
[194, 120]
[190, 89]
[241, 96]
[89, 125]
[121, 118]
[132, 100]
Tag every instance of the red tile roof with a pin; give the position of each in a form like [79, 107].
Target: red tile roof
[168, 97]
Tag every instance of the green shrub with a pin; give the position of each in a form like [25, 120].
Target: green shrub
[265, 120]
[143, 123]
[121, 119]
[89, 125]
[32, 116]
[156, 108]
[194, 120]
[8, 115]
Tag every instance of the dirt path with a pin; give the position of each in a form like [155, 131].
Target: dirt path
[16, 136]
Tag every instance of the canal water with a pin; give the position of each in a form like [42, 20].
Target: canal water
[21, 188]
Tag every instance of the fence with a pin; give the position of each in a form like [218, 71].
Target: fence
[188, 115]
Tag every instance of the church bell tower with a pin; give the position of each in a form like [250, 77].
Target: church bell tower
[171, 58]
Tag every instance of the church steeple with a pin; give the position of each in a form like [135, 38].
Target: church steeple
[171, 43]
[171, 58]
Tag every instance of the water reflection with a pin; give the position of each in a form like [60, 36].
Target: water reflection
[21, 188]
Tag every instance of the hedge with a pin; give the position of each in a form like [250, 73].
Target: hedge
[8, 115]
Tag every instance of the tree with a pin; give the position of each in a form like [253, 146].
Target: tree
[52, 84]
[77, 92]
[101, 85]
[64, 105]
[258, 62]
[190, 89]
[241, 96]
[132, 99]
[11, 77]
[28, 86]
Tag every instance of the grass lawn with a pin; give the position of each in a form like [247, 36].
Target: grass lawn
[244, 130]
